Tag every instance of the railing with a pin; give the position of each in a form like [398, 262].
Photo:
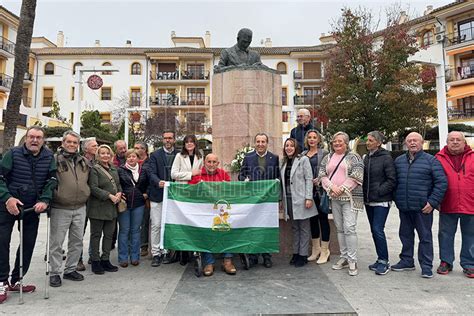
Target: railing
[7, 45]
[6, 81]
[26, 101]
[47, 102]
[459, 73]
[28, 76]
[194, 100]
[306, 99]
[456, 38]
[165, 99]
[164, 75]
[306, 74]
[195, 75]
[460, 114]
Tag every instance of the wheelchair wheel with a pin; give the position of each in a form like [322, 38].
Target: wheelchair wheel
[197, 264]
[244, 258]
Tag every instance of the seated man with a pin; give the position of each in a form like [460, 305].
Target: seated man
[211, 173]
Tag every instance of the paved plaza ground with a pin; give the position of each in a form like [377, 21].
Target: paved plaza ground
[173, 289]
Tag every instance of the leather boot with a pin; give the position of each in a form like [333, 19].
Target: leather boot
[325, 253]
[228, 267]
[316, 249]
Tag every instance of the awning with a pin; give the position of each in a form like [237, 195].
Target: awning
[460, 50]
[459, 92]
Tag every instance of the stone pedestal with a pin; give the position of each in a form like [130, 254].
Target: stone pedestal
[244, 103]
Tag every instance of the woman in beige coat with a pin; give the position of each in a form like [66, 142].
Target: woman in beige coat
[188, 162]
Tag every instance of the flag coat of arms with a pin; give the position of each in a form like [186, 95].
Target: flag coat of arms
[220, 217]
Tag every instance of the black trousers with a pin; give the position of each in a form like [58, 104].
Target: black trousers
[30, 232]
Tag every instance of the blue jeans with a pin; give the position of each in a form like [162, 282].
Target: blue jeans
[422, 223]
[377, 217]
[448, 224]
[208, 258]
[129, 234]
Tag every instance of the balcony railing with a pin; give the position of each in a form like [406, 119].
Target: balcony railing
[6, 81]
[195, 75]
[174, 100]
[47, 102]
[306, 74]
[194, 100]
[307, 100]
[460, 113]
[28, 76]
[456, 38]
[460, 73]
[164, 75]
[7, 45]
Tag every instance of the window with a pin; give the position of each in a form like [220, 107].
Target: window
[71, 118]
[78, 64]
[47, 97]
[284, 96]
[196, 96]
[311, 95]
[106, 72]
[49, 69]
[106, 94]
[285, 117]
[72, 93]
[427, 39]
[468, 106]
[466, 30]
[105, 117]
[25, 98]
[281, 67]
[194, 71]
[312, 70]
[135, 97]
[136, 69]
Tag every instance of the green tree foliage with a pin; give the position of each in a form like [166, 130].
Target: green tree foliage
[91, 119]
[370, 85]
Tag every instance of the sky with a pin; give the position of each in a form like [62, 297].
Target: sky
[149, 23]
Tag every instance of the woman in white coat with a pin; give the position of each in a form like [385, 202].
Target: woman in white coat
[188, 162]
[297, 184]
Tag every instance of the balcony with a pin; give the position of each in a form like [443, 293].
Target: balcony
[308, 100]
[7, 48]
[5, 82]
[454, 39]
[460, 114]
[307, 75]
[466, 74]
[28, 78]
[195, 75]
[183, 102]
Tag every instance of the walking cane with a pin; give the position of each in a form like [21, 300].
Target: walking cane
[20, 223]
[46, 282]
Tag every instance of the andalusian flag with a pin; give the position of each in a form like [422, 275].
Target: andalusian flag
[218, 217]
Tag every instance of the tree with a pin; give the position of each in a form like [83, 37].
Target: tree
[22, 51]
[370, 85]
[159, 122]
[91, 119]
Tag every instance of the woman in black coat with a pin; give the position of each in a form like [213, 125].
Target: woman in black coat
[379, 183]
[134, 183]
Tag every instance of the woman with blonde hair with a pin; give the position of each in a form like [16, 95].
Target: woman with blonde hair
[106, 193]
[320, 229]
[341, 174]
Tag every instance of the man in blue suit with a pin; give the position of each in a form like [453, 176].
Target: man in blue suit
[159, 167]
[260, 165]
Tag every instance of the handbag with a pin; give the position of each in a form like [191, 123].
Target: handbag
[122, 206]
[324, 201]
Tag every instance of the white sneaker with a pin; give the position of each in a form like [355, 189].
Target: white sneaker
[353, 269]
[340, 264]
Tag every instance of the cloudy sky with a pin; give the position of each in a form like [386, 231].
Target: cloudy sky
[149, 23]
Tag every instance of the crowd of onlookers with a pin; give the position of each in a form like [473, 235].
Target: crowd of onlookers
[120, 196]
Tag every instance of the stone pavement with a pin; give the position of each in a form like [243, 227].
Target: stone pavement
[173, 289]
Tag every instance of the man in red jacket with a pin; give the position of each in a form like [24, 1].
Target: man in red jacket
[211, 173]
[457, 159]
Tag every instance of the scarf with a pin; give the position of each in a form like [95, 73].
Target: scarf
[134, 170]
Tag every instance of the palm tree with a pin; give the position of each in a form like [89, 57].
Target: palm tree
[22, 51]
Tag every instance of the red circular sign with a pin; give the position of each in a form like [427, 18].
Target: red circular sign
[95, 82]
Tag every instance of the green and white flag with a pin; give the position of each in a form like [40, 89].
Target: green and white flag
[218, 217]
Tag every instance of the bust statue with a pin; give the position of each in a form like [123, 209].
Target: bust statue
[239, 55]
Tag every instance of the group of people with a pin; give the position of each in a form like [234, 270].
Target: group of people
[104, 188]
